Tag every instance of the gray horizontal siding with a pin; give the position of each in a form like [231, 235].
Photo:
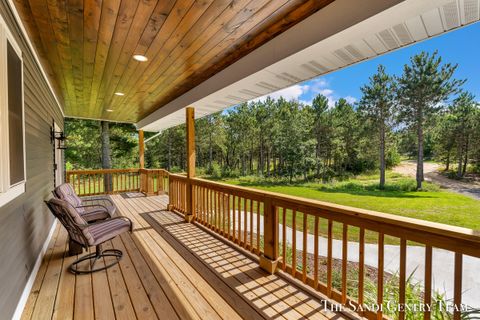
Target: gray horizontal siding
[25, 222]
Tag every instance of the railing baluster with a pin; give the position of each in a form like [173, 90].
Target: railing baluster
[284, 238]
[229, 234]
[204, 206]
[239, 220]
[304, 250]
[381, 249]
[214, 212]
[199, 204]
[89, 185]
[402, 278]
[216, 216]
[361, 265]
[226, 228]
[294, 242]
[234, 232]
[258, 227]
[344, 262]
[315, 253]
[329, 258]
[210, 209]
[251, 225]
[427, 296]
[457, 291]
[245, 215]
[220, 213]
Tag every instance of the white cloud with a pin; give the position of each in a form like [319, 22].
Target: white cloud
[351, 99]
[326, 92]
[309, 89]
[293, 92]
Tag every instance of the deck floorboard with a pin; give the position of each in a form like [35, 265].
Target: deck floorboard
[170, 270]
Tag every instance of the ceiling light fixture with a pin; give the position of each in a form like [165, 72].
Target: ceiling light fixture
[140, 58]
[119, 93]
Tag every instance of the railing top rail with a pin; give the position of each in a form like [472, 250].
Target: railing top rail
[100, 171]
[310, 205]
[162, 171]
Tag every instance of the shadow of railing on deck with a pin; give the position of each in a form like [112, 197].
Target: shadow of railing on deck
[219, 264]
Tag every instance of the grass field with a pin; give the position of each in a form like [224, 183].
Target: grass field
[399, 198]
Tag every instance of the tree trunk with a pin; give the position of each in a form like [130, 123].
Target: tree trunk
[251, 161]
[460, 147]
[465, 161]
[420, 151]
[210, 152]
[447, 164]
[243, 164]
[382, 156]
[169, 153]
[460, 161]
[268, 163]
[106, 155]
[274, 159]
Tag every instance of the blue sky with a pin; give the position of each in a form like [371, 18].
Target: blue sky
[461, 46]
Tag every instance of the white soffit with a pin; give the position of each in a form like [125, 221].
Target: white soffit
[337, 36]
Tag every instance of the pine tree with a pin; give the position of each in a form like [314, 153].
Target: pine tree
[377, 106]
[424, 85]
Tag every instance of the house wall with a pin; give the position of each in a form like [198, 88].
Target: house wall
[25, 222]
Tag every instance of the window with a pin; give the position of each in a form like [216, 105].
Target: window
[12, 118]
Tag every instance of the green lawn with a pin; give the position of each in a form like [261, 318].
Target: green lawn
[398, 198]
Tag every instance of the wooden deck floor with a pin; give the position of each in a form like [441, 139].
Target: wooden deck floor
[170, 270]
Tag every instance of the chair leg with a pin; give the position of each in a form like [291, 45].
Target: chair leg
[74, 248]
[92, 258]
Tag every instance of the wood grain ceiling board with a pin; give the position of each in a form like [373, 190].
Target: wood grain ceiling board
[86, 46]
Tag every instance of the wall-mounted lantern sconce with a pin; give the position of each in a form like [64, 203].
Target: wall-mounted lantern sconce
[59, 136]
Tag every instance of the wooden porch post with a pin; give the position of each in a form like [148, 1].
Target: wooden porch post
[269, 259]
[146, 185]
[190, 121]
[141, 149]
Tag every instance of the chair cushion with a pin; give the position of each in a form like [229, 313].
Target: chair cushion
[65, 192]
[73, 212]
[95, 213]
[109, 229]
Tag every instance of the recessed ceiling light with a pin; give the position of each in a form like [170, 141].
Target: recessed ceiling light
[119, 93]
[140, 58]
[109, 110]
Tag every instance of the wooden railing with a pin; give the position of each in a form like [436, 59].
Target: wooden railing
[110, 181]
[280, 228]
[178, 192]
[153, 181]
[262, 222]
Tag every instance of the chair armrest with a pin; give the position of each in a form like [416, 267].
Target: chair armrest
[93, 206]
[114, 218]
[90, 199]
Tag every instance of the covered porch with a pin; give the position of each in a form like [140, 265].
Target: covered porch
[272, 255]
[202, 249]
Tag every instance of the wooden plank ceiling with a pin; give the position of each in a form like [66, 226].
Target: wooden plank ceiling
[86, 46]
